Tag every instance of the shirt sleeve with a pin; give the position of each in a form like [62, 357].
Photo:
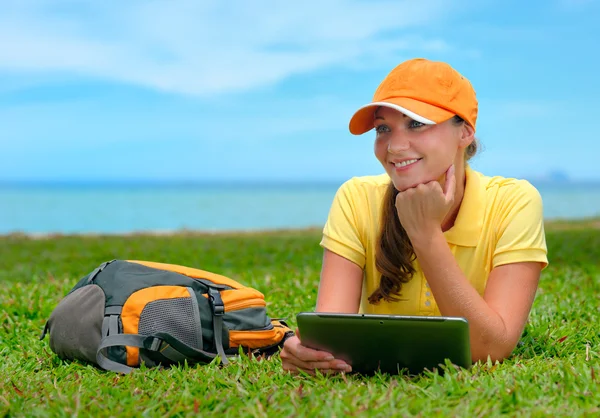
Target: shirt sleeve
[341, 233]
[521, 235]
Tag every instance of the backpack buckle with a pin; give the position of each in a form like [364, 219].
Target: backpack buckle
[216, 303]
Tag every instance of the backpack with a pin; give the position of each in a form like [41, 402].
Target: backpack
[126, 312]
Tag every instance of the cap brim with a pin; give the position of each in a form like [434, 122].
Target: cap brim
[363, 119]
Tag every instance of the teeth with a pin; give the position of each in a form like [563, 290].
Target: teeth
[405, 163]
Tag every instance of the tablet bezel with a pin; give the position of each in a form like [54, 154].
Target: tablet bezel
[414, 343]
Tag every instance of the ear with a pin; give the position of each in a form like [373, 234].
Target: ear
[467, 135]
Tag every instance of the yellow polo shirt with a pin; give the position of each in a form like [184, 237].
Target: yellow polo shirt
[500, 221]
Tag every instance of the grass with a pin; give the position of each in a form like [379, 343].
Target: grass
[553, 372]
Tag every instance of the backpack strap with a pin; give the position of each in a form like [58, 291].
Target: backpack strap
[44, 331]
[147, 342]
[218, 308]
[177, 351]
[94, 273]
[164, 344]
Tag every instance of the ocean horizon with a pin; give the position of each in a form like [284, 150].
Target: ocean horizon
[160, 207]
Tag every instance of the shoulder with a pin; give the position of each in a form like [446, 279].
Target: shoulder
[363, 193]
[366, 185]
[507, 194]
[361, 196]
[511, 188]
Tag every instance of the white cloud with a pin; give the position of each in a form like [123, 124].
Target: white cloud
[205, 47]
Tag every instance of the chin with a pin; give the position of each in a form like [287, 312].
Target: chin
[402, 183]
[402, 186]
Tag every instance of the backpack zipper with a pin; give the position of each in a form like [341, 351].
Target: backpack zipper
[236, 299]
[246, 303]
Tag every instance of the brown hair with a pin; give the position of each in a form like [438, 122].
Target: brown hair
[395, 252]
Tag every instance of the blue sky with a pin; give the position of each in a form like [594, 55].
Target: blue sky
[263, 90]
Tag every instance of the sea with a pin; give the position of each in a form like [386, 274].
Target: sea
[163, 208]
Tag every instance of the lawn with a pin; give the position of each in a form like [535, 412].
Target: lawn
[555, 370]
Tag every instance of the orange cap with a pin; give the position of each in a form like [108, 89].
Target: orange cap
[429, 92]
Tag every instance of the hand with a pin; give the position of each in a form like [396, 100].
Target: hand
[422, 209]
[295, 357]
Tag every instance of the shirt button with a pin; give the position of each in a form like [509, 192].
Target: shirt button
[427, 285]
[428, 294]
[427, 303]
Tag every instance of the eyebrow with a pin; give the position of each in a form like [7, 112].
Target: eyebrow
[382, 118]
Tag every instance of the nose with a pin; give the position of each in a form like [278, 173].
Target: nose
[398, 143]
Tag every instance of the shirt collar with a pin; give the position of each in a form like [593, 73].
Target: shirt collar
[467, 227]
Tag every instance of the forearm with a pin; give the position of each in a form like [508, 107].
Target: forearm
[455, 296]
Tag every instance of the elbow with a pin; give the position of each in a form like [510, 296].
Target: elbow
[492, 355]
[494, 343]
[493, 350]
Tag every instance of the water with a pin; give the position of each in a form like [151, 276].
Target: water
[123, 209]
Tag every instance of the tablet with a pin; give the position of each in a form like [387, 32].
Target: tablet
[388, 343]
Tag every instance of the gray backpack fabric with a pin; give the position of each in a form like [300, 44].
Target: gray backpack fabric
[127, 312]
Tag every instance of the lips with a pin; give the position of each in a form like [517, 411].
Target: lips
[406, 162]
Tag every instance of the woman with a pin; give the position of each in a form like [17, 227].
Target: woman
[431, 236]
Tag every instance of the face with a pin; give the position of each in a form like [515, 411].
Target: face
[413, 153]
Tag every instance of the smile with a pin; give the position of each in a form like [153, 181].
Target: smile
[405, 163]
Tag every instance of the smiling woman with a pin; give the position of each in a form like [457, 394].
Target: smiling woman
[431, 236]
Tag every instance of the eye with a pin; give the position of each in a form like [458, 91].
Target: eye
[413, 124]
[380, 129]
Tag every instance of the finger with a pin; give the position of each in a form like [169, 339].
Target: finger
[336, 365]
[429, 186]
[406, 194]
[308, 354]
[325, 372]
[450, 184]
[296, 349]
[398, 199]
